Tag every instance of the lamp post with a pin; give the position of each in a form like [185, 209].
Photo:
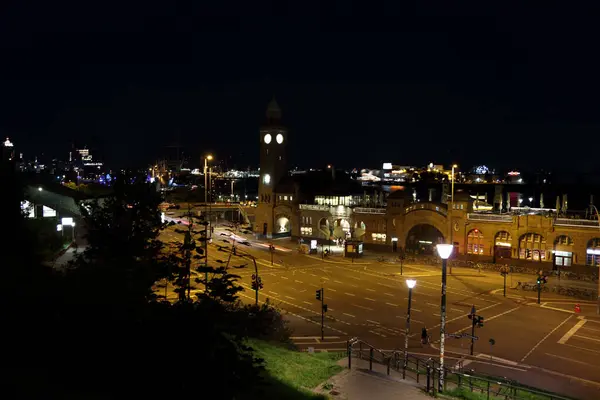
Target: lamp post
[444, 251]
[206, 160]
[411, 284]
[454, 166]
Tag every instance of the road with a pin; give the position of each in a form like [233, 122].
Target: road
[547, 345]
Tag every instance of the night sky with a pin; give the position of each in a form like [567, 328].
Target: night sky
[410, 84]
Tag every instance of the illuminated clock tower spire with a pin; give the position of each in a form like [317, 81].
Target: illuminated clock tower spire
[273, 140]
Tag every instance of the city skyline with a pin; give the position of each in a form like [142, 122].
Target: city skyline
[502, 97]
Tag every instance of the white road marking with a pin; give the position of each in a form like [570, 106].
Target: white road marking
[436, 315]
[313, 285]
[349, 294]
[570, 359]
[283, 277]
[350, 315]
[366, 298]
[333, 290]
[587, 328]
[393, 305]
[389, 294]
[289, 297]
[406, 298]
[330, 309]
[363, 307]
[275, 293]
[297, 281]
[414, 309]
[313, 337]
[341, 283]
[313, 275]
[457, 310]
[324, 278]
[546, 337]
[587, 338]
[379, 334]
[353, 285]
[571, 332]
[373, 322]
[353, 277]
[306, 302]
[582, 348]
[432, 304]
[370, 290]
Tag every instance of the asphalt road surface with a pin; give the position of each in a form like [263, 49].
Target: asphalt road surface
[547, 346]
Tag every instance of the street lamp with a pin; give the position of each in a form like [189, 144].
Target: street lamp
[411, 284]
[452, 190]
[444, 251]
[206, 159]
[452, 208]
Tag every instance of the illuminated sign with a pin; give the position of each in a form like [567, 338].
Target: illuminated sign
[595, 252]
[563, 253]
[48, 212]
[58, 228]
[313, 244]
[67, 221]
[503, 244]
[514, 173]
[387, 165]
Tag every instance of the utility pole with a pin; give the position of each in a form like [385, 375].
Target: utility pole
[504, 271]
[541, 279]
[256, 281]
[271, 249]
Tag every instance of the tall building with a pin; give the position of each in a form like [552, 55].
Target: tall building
[273, 140]
[8, 150]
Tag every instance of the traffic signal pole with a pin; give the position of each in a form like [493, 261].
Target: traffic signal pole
[473, 322]
[320, 295]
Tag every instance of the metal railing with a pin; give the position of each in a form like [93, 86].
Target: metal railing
[426, 370]
[427, 206]
[580, 223]
[490, 217]
[369, 210]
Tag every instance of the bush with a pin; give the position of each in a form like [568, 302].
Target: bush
[265, 322]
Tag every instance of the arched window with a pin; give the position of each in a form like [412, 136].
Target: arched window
[532, 246]
[593, 252]
[475, 242]
[503, 238]
[564, 240]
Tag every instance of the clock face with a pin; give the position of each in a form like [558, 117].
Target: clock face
[279, 138]
[266, 179]
[456, 226]
[267, 138]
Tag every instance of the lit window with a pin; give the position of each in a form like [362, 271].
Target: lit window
[291, 198]
[285, 198]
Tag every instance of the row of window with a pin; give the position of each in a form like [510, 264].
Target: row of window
[458, 206]
[475, 248]
[285, 197]
[534, 255]
[306, 220]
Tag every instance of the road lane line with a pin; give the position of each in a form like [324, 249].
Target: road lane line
[353, 285]
[379, 334]
[313, 275]
[457, 310]
[341, 283]
[437, 315]
[350, 315]
[353, 277]
[333, 290]
[313, 285]
[283, 277]
[389, 294]
[571, 332]
[546, 337]
[275, 293]
[587, 328]
[433, 305]
[373, 322]
[366, 298]
[587, 338]
[297, 281]
[306, 302]
[414, 309]
[582, 348]
[349, 294]
[289, 297]
[570, 359]
[393, 305]
[370, 290]
[363, 307]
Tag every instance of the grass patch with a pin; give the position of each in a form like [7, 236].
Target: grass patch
[468, 395]
[293, 374]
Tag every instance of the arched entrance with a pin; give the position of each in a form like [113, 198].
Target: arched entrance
[360, 228]
[283, 226]
[324, 230]
[593, 252]
[422, 238]
[532, 246]
[563, 252]
[475, 242]
[502, 245]
[341, 229]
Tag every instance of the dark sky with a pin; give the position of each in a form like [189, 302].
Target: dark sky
[417, 83]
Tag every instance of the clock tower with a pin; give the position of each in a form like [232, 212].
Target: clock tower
[273, 140]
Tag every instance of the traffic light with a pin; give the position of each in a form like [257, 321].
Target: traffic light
[256, 282]
[324, 307]
[318, 294]
[542, 279]
[480, 322]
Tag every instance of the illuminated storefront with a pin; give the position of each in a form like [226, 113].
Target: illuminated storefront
[532, 246]
[503, 245]
[593, 252]
[563, 252]
[475, 242]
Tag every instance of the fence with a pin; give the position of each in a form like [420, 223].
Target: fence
[426, 371]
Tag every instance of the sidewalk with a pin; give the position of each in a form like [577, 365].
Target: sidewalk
[359, 383]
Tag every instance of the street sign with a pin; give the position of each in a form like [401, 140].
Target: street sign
[473, 310]
[454, 335]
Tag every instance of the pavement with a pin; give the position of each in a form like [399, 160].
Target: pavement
[546, 345]
[359, 383]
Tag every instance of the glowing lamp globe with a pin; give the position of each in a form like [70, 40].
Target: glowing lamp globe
[444, 250]
[411, 283]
